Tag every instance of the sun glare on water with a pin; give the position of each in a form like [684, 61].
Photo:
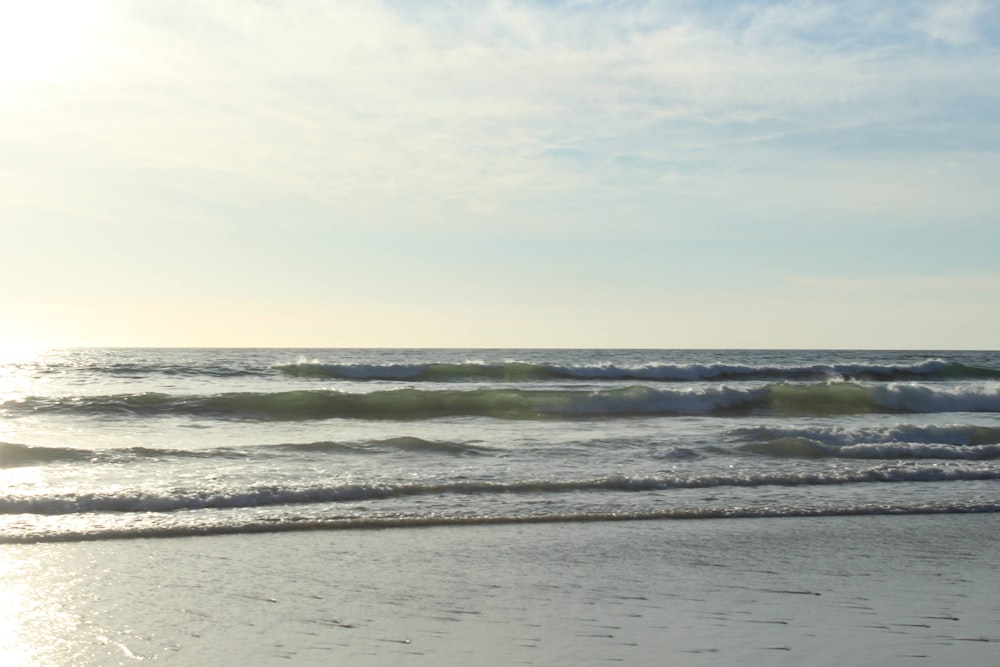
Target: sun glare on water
[14, 351]
[21, 341]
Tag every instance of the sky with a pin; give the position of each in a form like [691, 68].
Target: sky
[537, 173]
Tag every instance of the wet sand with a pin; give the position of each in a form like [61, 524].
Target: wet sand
[866, 590]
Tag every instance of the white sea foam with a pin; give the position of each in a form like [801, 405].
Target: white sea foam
[515, 370]
[913, 397]
[840, 436]
[227, 526]
[137, 500]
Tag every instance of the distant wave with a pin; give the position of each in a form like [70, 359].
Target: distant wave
[13, 455]
[237, 364]
[232, 527]
[806, 448]
[950, 434]
[409, 444]
[144, 500]
[139, 370]
[901, 441]
[17, 455]
[516, 371]
[786, 399]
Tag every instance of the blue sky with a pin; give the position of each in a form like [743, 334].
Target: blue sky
[500, 174]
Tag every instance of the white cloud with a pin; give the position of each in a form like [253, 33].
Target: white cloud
[954, 22]
[651, 122]
[353, 103]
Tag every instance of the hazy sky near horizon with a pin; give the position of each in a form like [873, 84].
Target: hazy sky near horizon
[500, 174]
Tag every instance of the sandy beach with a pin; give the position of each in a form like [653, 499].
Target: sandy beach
[874, 590]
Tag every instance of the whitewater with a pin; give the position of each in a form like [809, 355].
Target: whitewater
[102, 444]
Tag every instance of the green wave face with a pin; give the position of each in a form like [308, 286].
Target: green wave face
[782, 399]
[822, 399]
[522, 371]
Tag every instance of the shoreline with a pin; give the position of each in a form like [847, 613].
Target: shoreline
[874, 589]
[419, 522]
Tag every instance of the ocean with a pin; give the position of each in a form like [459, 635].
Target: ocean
[101, 444]
[452, 507]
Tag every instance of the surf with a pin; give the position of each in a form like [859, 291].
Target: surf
[409, 403]
[521, 371]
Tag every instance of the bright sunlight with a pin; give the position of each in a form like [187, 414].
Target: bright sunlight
[48, 41]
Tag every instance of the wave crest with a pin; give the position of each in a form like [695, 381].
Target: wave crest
[519, 371]
[784, 399]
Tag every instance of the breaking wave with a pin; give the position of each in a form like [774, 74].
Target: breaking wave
[900, 441]
[786, 399]
[516, 371]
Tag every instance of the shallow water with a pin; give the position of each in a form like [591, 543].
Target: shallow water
[883, 590]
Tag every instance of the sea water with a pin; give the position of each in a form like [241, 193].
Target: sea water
[111, 443]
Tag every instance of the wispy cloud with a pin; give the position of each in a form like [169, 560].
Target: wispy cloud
[479, 103]
[471, 128]
[959, 22]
